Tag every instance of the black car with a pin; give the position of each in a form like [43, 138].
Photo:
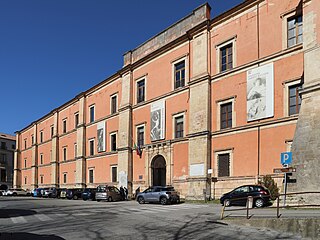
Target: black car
[239, 196]
[89, 194]
[74, 193]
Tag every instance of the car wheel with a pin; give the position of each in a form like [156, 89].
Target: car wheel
[163, 201]
[98, 200]
[141, 200]
[110, 199]
[227, 203]
[15, 194]
[75, 197]
[259, 203]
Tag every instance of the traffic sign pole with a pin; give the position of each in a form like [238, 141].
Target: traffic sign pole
[285, 189]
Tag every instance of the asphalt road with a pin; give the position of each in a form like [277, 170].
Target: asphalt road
[35, 218]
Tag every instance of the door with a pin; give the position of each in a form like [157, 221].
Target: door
[240, 195]
[158, 168]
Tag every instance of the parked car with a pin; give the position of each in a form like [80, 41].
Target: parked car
[163, 195]
[16, 192]
[74, 193]
[239, 196]
[62, 193]
[89, 193]
[50, 192]
[110, 193]
[36, 192]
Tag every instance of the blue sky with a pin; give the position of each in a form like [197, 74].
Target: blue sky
[51, 50]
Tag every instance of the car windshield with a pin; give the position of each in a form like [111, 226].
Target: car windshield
[148, 190]
[101, 189]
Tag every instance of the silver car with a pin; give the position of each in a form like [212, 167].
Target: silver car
[163, 195]
[110, 193]
[16, 192]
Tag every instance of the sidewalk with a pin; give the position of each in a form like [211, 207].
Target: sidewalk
[304, 222]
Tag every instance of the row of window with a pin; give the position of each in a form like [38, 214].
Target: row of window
[294, 107]
[179, 131]
[294, 36]
[225, 121]
[3, 146]
[114, 176]
[114, 109]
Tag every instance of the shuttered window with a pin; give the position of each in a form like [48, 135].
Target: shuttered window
[224, 165]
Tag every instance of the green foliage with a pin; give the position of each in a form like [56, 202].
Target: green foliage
[269, 183]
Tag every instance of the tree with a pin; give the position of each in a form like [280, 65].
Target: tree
[269, 183]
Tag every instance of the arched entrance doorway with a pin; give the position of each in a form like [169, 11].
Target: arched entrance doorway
[158, 171]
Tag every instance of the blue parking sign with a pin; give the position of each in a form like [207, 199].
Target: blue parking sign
[286, 158]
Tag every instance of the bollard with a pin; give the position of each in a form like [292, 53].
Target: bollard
[222, 212]
[249, 205]
[205, 195]
[278, 204]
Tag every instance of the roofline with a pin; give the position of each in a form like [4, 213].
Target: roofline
[7, 136]
[229, 13]
[175, 23]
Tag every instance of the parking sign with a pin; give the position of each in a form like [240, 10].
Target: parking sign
[286, 158]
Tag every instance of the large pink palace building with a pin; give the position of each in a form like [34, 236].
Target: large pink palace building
[205, 105]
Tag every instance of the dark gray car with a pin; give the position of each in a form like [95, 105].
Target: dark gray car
[163, 195]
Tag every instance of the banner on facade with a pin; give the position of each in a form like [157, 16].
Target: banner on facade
[157, 121]
[123, 179]
[196, 170]
[260, 96]
[101, 136]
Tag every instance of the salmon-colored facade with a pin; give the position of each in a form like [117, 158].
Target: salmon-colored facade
[183, 99]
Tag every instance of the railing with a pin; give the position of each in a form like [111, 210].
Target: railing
[250, 204]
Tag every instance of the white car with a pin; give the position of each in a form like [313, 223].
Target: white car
[16, 192]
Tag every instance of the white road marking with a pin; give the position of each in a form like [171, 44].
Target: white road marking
[43, 217]
[18, 219]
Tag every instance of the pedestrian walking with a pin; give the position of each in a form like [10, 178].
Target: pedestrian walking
[125, 193]
[122, 193]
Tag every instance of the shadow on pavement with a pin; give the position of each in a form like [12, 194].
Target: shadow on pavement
[27, 236]
[7, 213]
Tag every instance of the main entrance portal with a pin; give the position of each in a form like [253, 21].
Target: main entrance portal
[158, 171]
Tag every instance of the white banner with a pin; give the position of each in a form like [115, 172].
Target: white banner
[158, 119]
[101, 136]
[123, 179]
[260, 96]
[196, 170]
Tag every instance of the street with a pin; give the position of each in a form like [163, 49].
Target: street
[37, 218]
